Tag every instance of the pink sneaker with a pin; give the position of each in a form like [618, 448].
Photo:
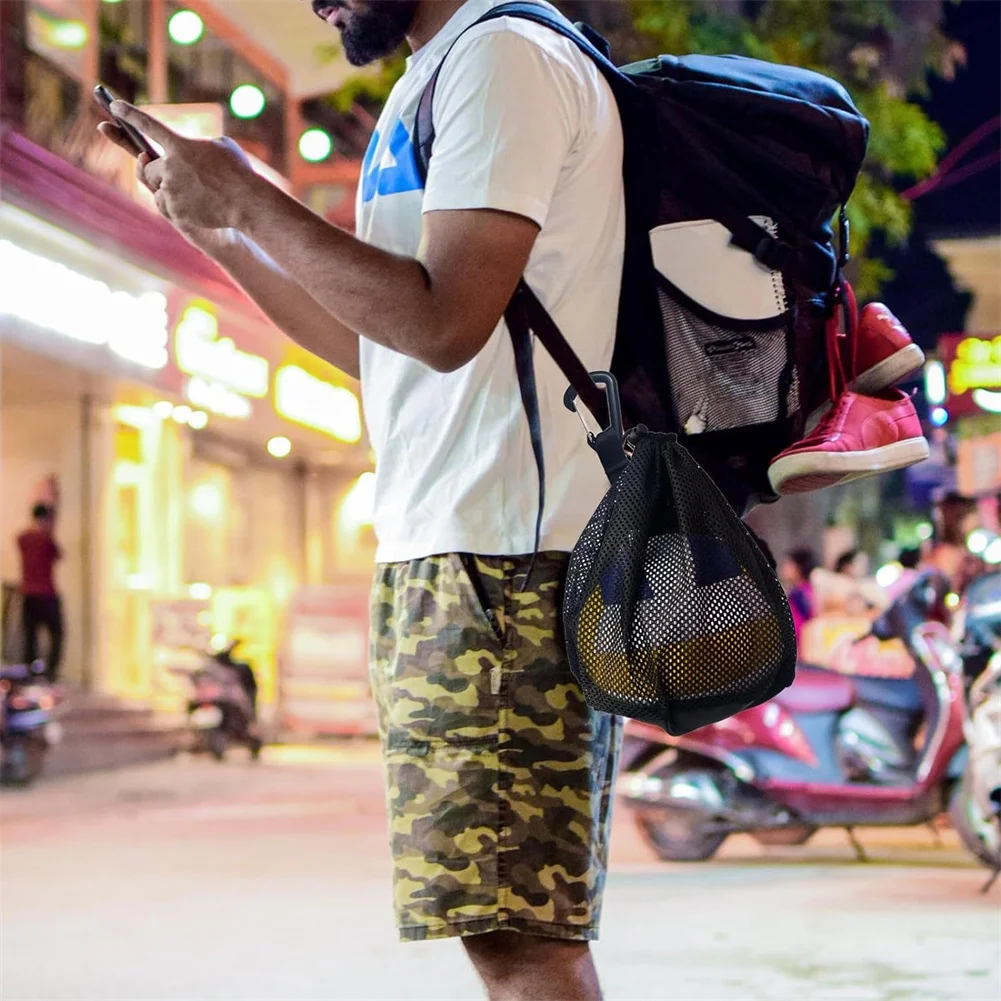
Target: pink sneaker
[860, 436]
[874, 353]
[884, 353]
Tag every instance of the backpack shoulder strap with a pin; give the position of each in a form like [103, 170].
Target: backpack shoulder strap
[587, 40]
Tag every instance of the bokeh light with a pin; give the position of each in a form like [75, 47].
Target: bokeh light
[279, 447]
[247, 101]
[315, 145]
[185, 27]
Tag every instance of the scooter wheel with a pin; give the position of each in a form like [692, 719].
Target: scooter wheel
[980, 835]
[672, 844]
[256, 745]
[217, 742]
[22, 763]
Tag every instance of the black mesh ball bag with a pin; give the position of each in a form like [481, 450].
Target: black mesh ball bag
[672, 613]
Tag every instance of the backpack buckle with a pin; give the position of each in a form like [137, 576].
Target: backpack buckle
[844, 238]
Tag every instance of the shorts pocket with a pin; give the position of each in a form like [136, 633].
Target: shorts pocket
[436, 683]
[479, 595]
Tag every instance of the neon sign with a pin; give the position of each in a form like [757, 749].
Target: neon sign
[216, 398]
[977, 365]
[51, 295]
[306, 400]
[201, 353]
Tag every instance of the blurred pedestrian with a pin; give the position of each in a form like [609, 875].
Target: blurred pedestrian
[848, 590]
[500, 775]
[795, 573]
[41, 605]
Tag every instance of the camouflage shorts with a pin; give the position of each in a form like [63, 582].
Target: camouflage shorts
[499, 775]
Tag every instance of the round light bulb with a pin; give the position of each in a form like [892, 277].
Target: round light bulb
[247, 101]
[182, 414]
[198, 420]
[185, 27]
[279, 447]
[315, 145]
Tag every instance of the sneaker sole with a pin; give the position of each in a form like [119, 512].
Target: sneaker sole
[802, 472]
[898, 367]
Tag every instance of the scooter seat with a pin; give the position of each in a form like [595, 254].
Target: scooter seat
[816, 690]
[901, 694]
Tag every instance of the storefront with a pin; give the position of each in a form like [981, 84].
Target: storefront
[208, 469]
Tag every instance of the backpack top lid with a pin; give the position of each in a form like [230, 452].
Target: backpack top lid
[727, 137]
[750, 138]
[802, 121]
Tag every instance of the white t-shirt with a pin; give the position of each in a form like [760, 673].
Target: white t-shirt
[524, 123]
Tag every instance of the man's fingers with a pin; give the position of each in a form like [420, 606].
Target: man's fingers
[142, 162]
[161, 204]
[111, 131]
[152, 173]
[147, 124]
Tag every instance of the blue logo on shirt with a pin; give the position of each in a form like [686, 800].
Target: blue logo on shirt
[387, 178]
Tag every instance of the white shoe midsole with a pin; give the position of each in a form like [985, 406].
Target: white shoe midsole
[849, 465]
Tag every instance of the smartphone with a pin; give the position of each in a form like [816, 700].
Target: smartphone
[139, 142]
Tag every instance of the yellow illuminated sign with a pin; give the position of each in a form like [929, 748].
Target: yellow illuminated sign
[977, 365]
[201, 353]
[306, 400]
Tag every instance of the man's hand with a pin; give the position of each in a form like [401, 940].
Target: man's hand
[276, 293]
[198, 184]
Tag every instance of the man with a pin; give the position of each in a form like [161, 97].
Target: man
[41, 606]
[500, 777]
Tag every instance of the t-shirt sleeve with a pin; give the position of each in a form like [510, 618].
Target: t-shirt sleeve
[506, 116]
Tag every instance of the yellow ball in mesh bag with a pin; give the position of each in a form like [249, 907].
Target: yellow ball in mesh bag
[698, 667]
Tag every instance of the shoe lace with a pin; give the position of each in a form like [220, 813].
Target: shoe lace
[843, 322]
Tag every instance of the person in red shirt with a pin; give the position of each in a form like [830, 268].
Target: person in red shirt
[41, 605]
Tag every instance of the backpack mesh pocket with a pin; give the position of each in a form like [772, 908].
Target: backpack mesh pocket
[726, 373]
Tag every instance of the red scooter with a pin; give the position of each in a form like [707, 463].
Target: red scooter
[830, 751]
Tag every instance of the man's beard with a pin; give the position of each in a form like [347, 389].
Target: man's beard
[375, 28]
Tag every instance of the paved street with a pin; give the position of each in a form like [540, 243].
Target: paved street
[191, 880]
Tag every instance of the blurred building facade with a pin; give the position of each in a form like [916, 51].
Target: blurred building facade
[212, 478]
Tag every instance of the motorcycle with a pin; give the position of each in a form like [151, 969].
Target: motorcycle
[832, 750]
[27, 724]
[975, 809]
[222, 708]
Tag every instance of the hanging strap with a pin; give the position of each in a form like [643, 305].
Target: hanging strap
[516, 318]
[525, 314]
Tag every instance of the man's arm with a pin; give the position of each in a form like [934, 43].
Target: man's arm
[283, 300]
[505, 125]
[440, 309]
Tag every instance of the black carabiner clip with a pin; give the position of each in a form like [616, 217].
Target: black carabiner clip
[608, 443]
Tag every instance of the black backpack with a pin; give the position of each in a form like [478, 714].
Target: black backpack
[734, 170]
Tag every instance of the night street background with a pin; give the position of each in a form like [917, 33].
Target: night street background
[187, 880]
